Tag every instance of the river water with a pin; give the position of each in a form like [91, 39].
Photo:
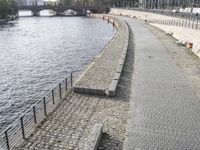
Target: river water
[36, 53]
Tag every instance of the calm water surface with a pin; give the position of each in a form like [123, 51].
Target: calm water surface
[38, 52]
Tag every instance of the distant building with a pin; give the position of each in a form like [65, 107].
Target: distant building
[168, 4]
[155, 4]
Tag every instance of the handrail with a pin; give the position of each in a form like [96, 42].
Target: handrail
[10, 135]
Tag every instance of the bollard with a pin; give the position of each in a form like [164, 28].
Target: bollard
[34, 114]
[22, 125]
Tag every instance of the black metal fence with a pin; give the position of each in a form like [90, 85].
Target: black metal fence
[26, 123]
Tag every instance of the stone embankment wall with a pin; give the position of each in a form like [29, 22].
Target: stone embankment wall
[181, 29]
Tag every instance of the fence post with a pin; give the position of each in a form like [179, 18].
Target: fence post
[182, 22]
[52, 92]
[34, 114]
[189, 23]
[185, 22]
[71, 79]
[45, 109]
[193, 23]
[66, 84]
[60, 92]
[197, 23]
[22, 125]
[7, 141]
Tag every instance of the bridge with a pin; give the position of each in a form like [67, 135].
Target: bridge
[59, 10]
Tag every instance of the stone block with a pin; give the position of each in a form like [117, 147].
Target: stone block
[94, 137]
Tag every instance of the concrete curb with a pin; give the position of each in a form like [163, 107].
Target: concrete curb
[113, 87]
[94, 137]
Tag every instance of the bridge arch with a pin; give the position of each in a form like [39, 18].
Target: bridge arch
[80, 10]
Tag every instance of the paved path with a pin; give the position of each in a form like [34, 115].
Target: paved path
[164, 109]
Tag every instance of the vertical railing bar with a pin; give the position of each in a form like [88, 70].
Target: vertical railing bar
[45, 109]
[71, 79]
[34, 114]
[53, 99]
[60, 92]
[197, 24]
[7, 140]
[22, 125]
[66, 84]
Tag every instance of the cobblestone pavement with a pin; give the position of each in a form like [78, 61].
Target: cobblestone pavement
[184, 58]
[101, 73]
[69, 126]
[164, 109]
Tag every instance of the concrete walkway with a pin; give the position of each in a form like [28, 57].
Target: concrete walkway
[164, 111]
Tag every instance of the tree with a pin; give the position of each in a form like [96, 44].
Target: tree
[7, 8]
[13, 10]
[184, 3]
[4, 9]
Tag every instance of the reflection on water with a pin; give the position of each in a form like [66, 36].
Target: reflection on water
[38, 52]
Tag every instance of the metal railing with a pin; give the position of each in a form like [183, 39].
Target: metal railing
[26, 123]
[189, 20]
[188, 23]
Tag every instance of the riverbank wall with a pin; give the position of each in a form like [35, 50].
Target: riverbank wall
[103, 74]
[186, 32]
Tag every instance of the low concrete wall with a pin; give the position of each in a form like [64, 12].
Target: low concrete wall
[184, 35]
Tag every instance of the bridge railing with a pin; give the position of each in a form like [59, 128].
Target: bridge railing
[26, 123]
